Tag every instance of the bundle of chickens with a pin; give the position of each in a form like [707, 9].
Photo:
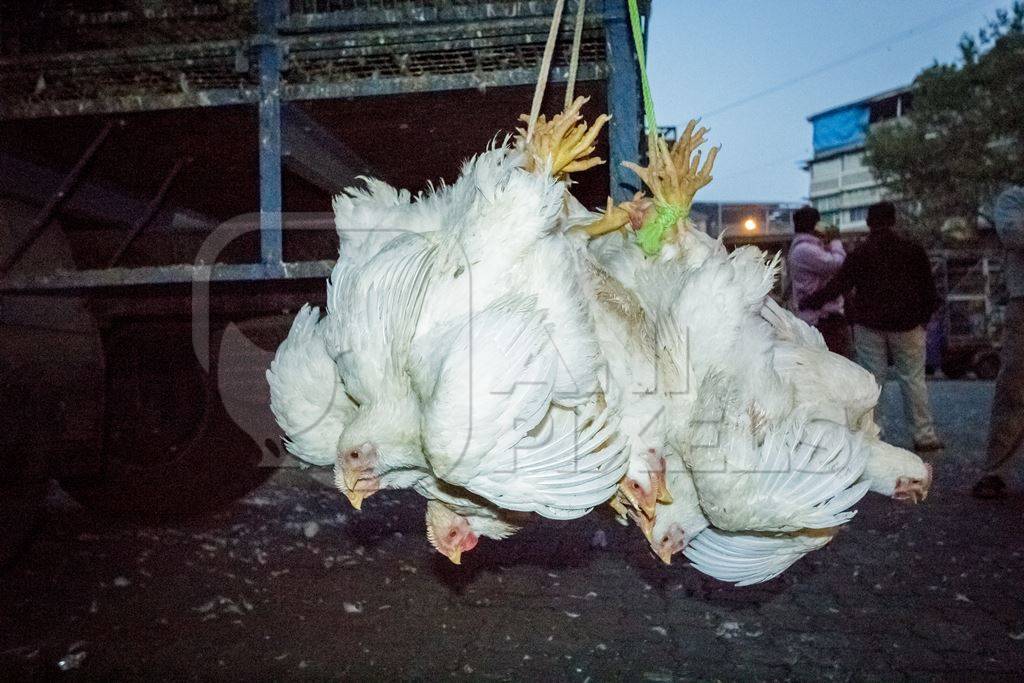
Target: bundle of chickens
[504, 352]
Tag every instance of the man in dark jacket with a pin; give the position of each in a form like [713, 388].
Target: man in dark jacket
[894, 297]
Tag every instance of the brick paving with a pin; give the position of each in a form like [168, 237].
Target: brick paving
[291, 583]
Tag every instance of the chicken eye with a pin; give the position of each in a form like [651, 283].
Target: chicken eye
[452, 533]
[636, 486]
[354, 455]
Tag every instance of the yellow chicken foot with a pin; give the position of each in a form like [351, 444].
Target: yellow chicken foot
[614, 218]
[673, 176]
[632, 213]
[565, 142]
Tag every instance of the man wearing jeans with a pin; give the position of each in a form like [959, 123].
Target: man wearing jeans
[894, 297]
[1006, 430]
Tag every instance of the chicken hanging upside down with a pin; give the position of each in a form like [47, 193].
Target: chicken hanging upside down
[506, 353]
[458, 329]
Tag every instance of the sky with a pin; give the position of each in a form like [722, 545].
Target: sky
[754, 70]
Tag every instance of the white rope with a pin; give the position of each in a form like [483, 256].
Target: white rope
[545, 67]
[574, 59]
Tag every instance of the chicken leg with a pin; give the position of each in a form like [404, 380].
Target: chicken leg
[673, 175]
[565, 142]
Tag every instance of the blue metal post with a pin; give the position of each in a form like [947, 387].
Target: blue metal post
[624, 98]
[268, 15]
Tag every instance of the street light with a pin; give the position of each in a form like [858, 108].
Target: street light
[750, 225]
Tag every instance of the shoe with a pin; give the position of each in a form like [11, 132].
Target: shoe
[989, 487]
[929, 446]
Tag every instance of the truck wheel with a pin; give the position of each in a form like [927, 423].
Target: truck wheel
[955, 363]
[22, 485]
[987, 365]
[169, 445]
[51, 379]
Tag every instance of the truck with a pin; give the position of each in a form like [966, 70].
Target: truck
[166, 174]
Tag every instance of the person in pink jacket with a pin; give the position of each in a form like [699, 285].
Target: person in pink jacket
[813, 259]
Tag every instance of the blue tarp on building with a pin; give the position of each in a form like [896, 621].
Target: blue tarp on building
[840, 128]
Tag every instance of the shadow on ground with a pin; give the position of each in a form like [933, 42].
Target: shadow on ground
[289, 582]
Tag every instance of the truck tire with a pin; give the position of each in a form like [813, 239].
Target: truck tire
[22, 484]
[955, 363]
[170, 448]
[51, 379]
[986, 365]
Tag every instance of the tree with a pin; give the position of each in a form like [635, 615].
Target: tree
[964, 136]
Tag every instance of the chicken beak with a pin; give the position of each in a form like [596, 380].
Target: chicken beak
[647, 508]
[664, 495]
[624, 489]
[455, 556]
[355, 497]
[665, 554]
[616, 504]
[647, 526]
[351, 480]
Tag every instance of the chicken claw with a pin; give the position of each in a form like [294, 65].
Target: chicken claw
[674, 176]
[632, 213]
[565, 142]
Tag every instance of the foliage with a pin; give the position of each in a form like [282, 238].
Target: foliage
[964, 136]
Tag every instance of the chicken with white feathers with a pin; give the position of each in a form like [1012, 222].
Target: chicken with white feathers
[465, 344]
[776, 433]
[480, 351]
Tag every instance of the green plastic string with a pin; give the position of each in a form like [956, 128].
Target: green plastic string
[650, 237]
[645, 86]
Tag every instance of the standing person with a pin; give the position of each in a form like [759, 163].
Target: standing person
[813, 259]
[1006, 429]
[893, 300]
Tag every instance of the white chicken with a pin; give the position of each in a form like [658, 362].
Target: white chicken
[776, 432]
[466, 345]
[478, 350]
[311, 406]
[307, 395]
[471, 347]
[626, 336]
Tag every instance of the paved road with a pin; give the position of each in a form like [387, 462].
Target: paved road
[290, 583]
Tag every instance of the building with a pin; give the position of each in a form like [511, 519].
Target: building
[842, 185]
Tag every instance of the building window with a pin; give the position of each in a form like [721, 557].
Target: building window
[830, 203]
[860, 197]
[853, 162]
[895, 106]
[828, 168]
[906, 103]
[858, 214]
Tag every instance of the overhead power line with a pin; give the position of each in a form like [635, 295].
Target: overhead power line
[885, 42]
